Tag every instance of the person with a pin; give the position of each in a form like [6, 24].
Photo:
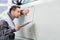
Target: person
[5, 30]
[13, 13]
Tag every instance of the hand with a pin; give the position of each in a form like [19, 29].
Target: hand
[17, 28]
[25, 12]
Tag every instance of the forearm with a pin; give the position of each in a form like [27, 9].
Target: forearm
[10, 31]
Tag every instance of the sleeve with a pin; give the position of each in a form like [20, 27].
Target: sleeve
[13, 30]
[10, 31]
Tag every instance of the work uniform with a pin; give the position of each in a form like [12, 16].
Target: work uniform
[7, 17]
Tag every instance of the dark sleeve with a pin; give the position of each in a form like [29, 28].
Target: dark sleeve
[10, 31]
[13, 30]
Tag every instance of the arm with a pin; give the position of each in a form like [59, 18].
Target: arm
[12, 30]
